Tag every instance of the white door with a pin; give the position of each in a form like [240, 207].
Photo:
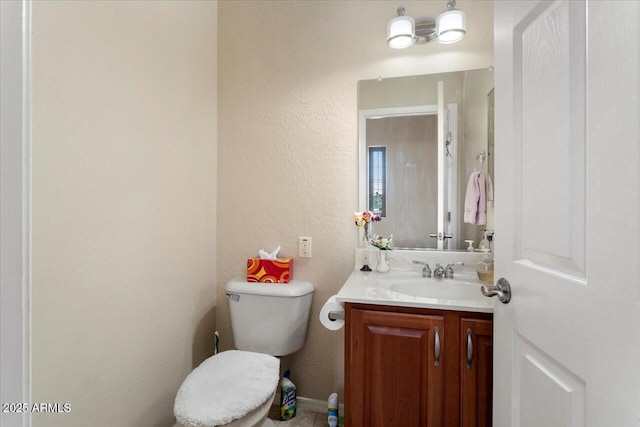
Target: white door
[567, 346]
[15, 225]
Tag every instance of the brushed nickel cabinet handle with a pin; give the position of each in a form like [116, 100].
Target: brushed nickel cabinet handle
[437, 350]
[469, 349]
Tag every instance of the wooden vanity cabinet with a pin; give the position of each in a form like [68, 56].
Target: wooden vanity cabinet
[408, 367]
[476, 362]
[395, 369]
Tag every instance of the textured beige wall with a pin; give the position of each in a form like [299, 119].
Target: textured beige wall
[288, 74]
[124, 203]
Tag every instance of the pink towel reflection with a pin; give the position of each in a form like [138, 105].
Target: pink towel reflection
[479, 191]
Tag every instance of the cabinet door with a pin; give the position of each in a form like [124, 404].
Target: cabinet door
[396, 369]
[476, 364]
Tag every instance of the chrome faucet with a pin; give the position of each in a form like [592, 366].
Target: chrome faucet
[426, 271]
[438, 273]
[448, 272]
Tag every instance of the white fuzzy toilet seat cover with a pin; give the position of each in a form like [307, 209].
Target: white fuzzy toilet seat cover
[226, 387]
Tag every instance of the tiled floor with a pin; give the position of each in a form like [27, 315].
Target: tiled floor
[303, 418]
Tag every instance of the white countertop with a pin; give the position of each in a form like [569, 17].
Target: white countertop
[404, 285]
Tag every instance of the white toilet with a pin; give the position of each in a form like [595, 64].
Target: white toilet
[236, 388]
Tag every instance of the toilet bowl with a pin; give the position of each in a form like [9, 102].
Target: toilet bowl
[237, 387]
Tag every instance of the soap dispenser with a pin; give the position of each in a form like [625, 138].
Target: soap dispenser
[485, 268]
[484, 244]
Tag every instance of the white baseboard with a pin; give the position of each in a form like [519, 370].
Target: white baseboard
[315, 405]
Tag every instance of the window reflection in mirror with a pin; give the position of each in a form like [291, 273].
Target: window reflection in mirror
[377, 179]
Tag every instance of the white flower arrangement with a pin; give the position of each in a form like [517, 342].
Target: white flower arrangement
[382, 243]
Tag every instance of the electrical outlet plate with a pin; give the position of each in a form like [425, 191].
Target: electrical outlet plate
[304, 247]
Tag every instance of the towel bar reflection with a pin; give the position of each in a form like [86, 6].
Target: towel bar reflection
[480, 157]
[335, 315]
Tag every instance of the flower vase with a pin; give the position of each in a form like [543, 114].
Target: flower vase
[382, 266]
[365, 246]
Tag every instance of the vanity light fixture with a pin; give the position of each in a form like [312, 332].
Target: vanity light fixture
[451, 24]
[403, 31]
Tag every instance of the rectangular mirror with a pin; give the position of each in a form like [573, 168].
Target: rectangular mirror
[420, 139]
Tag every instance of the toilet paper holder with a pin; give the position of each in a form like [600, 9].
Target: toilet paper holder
[335, 315]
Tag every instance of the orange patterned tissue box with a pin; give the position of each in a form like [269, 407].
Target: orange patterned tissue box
[269, 270]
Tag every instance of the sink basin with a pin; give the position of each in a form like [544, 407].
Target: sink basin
[443, 289]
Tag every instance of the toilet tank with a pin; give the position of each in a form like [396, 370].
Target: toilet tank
[269, 318]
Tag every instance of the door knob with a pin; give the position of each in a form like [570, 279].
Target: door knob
[501, 289]
[441, 236]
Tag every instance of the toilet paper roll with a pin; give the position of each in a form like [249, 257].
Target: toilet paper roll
[331, 305]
